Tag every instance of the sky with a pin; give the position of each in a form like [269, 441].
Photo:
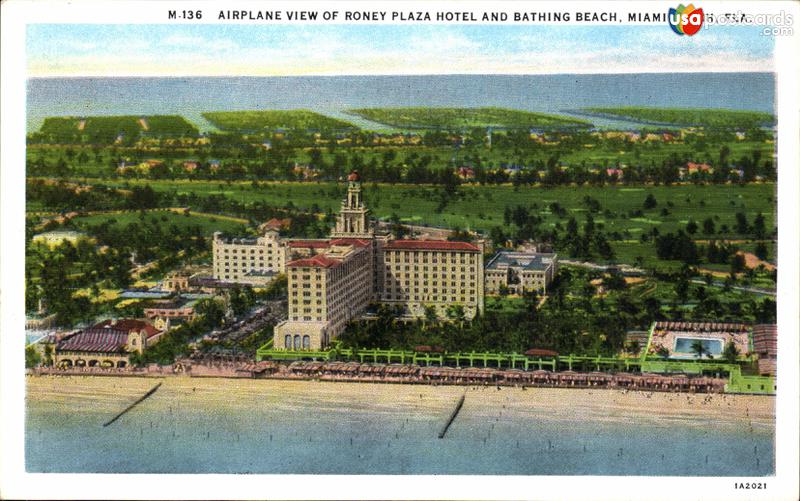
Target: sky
[281, 50]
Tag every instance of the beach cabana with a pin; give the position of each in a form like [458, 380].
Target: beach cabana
[599, 378]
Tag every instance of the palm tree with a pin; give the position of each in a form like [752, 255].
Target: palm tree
[731, 352]
[698, 348]
[431, 317]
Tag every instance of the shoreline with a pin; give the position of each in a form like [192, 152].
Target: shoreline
[338, 372]
[232, 395]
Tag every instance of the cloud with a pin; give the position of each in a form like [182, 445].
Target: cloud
[332, 50]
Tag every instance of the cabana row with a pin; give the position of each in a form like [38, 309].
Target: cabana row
[449, 374]
[678, 382]
[657, 382]
[305, 367]
[259, 368]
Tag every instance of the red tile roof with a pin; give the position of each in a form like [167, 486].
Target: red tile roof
[357, 242]
[277, 224]
[127, 325]
[318, 261]
[702, 326]
[310, 244]
[95, 340]
[442, 245]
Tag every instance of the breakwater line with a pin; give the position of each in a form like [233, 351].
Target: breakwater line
[140, 400]
[453, 415]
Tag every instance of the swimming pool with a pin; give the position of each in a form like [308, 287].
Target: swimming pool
[683, 346]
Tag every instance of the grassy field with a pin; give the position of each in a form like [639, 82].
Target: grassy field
[460, 118]
[106, 128]
[208, 223]
[735, 119]
[483, 207]
[601, 154]
[267, 121]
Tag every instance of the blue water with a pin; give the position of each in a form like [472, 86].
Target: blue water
[684, 345]
[548, 93]
[327, 428]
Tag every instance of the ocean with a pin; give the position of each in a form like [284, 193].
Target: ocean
[332, 95]
[195, 425]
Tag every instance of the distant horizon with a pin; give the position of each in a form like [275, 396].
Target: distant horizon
[389, 75]
[560, 94]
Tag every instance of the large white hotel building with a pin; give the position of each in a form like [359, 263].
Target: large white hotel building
[332, 281]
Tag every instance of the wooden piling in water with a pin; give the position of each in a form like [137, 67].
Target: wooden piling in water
[453, 415]
[140, 400]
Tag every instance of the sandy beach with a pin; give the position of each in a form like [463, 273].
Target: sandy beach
[237, 394]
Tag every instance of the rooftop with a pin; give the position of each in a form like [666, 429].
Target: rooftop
[309, 244]
[356, 242]
[240, 240]
[318, 261]
[525, 260]
[702, 326]
[433, 245]
[173, 303]
[95, 340]
[276, 224]
[125, 325]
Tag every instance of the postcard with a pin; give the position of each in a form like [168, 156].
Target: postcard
[400, 250]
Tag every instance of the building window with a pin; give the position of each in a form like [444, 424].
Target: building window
[297, 342]
[306, 342]
[287, 342]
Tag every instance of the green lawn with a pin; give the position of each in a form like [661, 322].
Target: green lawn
[266, 121]
[482, 207]
[460, 118]
[208, 224]
[691, 116]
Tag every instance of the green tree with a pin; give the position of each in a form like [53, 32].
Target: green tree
[211, 311]
[456, 314]
[698, 348]
[633, 347]
[761, 251]
[741, 223]
[32, 357]
[682, 290]
[431, 318]
[731, 352]
[738, 264]
[398, 229]
[709, 228]
[759, 227]
[615, 281]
